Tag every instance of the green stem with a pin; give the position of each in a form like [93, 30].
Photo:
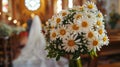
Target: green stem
[79, 64]
[75, 63]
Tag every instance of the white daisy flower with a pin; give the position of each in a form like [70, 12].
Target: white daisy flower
[70, 43]
[90, 15]
[53, 34]
[78, 15]
[101, 31]
[62, 31]
[94, 44]
[58, 19]
[99, 16]
[90, 34]
[90, 6]
[85, 24]
[52, 22]
[99, 23]
[75, 27]
[64, 12]
[104, 39]
[52, 25]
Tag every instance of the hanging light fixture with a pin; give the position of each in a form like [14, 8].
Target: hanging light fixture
[9, 18]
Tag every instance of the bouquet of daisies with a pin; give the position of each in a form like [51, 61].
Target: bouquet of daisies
[75, 31]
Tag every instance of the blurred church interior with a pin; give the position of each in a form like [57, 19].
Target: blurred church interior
[18, 13]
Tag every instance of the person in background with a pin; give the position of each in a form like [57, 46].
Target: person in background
[29, 22]
[34, 53]
[23, 39]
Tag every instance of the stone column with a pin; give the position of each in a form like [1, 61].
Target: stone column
[49, 9]
[64, 4]
[77, 2]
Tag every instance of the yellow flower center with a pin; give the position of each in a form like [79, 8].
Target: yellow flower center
[89, 16]
[99, 15]
[71, 43]
[99, 23]
[84, 24]
[62, 31]
[78, 16]
[58, 20]
[104, 38]
[64, 13]
[75, 27]
[90, 6]
[95, 43]
[53, 34]
[90, 34]
[100, 31]
[52, 27]
[81, 8]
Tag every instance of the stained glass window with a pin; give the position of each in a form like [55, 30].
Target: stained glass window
[5, 6]
[32, 4]
[59, 5]
[70, 3]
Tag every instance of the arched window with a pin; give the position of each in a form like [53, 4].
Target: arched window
[59, 5]
[70, 3]
[32, 4]
[5, 6]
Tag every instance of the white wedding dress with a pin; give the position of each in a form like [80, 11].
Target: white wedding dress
[34, 54]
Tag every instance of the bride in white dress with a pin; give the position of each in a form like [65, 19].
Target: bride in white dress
[34, 54]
